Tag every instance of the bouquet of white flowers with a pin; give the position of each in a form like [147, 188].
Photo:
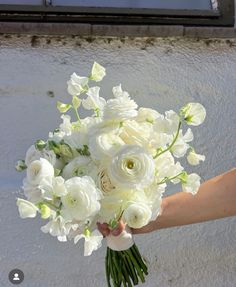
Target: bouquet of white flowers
[109, 169]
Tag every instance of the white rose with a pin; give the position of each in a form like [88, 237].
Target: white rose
[26, 208]
[137, 215]
[35, 154]
[120, 108]
[194, 114]
[38, 169]
[80, 166]
[104, 142]
[131, 167]
[76, 84]
[82, 199]
[93, 101]
[98, 72]
[191, 183]
[194, 158]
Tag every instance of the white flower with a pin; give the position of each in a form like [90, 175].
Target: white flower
[93, 101]
[26, 208]
[92, 241]
[191, 183]
[194, 114]
[137, 215]
[39, 169]
[104, 142]
[180, 147]
[32, 192]
[167, 124]
[52, 186]
[98, 72]
[59, 227]
[82, 198]
[147, 115]
[35, 154]
[154, 198]
[80, 166]
[131, 167]
[120, 108]
[76, 84]
[104, 182]
[194, 158]
[66, 126]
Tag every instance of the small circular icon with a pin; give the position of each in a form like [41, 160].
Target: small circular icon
[16, 276]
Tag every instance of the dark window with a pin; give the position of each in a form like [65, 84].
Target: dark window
[184, 12]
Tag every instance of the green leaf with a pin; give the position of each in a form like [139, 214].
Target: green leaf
[20, 165]
[63, 108]
[76, 102]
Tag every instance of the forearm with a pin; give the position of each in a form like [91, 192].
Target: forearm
[215, 199]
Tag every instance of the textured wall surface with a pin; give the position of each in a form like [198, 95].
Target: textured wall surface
[159, 73]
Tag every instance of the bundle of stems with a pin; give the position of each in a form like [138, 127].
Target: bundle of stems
[125, 268]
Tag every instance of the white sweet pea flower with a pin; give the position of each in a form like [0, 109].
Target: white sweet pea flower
[167, 124]
[191, 183]
[82, 198]
[35, 154]
[59, 227]
[194, 114]
[194, 158]
[26, 208]
[80, 166]
[181, 146]
[93, 101]
[147, 115]
[131, 167]
[66, 126]
[137, 214]
[52, 186]
[32, 192]
[154, 198]
[92, 241]
[39, 169]
[120, 108]
[76, 84]
[98, 72]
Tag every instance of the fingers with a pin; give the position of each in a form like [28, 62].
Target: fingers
[106, 230]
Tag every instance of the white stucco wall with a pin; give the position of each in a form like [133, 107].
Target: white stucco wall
[159, 73]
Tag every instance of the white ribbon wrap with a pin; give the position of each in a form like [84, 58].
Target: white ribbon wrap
[121, 242]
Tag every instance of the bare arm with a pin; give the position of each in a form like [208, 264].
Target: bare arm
[215, 199]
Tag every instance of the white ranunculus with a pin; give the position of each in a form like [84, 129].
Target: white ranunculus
[26, 208]
[194, 114]
[80, 166]
[66, 126]
[194, 158]
[35, 154]
[131, 167]
[92, 241]
[98, 72]
[82, 198]
[191, 183]
[39, 169]
[120, 108]
[93, 101]
[181, 146]
[76, 84]
[147, 115]
[59, 227]
[135, 133]
[104, 142]
[137, 215]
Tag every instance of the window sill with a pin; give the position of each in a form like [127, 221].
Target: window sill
[116, 30]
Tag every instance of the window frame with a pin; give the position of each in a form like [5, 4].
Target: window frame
[223, 16]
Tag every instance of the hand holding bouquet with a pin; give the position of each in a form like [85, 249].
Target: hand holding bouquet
[108, 172]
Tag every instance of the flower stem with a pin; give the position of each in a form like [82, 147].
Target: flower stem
[173, 142]
[169, 178]
[77, 115]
